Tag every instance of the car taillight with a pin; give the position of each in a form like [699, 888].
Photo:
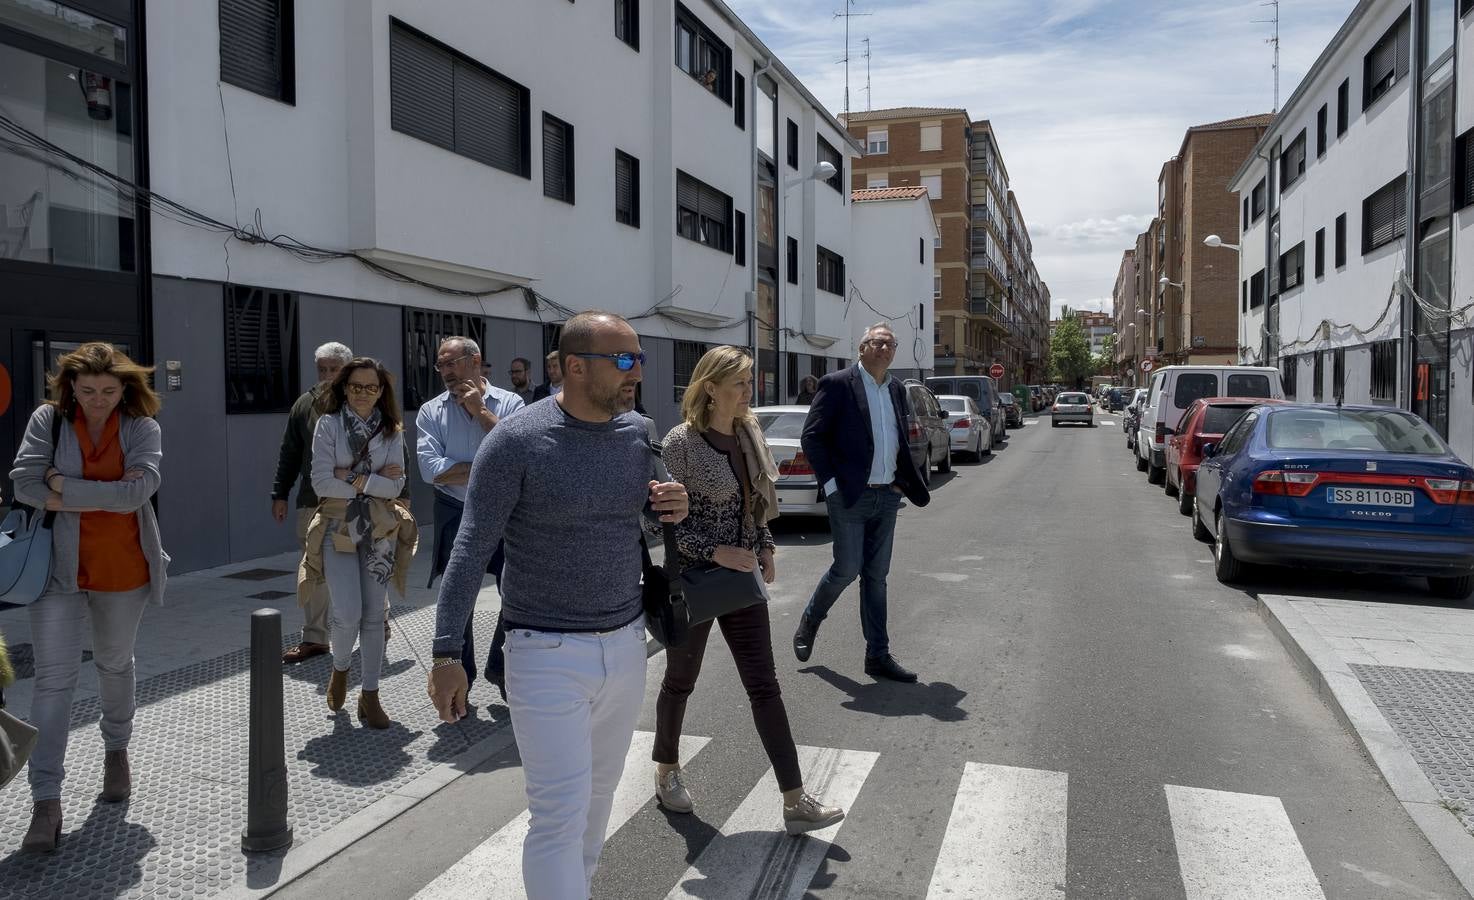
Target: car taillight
[1450, 490]
[962, 423]
[799, 465]
[913, 430]
[1161, 432]
[1285, 484]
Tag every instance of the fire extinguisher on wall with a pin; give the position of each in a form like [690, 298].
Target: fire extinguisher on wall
[97, 90]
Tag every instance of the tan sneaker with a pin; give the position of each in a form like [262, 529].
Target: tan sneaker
[671, 792]
[808, 814]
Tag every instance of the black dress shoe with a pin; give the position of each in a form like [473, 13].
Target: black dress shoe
[803, 638]
[887, 667]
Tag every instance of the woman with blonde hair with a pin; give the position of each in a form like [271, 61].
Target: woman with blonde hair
[361, 537]
[720, 455]
[91, 453]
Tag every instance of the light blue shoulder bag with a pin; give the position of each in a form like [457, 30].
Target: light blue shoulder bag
[25, 544]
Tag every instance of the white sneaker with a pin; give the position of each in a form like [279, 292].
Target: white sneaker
[671, 792]
[808, 814]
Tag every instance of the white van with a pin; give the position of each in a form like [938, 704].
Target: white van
[1174, 388]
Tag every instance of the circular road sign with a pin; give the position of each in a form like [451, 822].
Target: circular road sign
[1146, 365]
[996, 370]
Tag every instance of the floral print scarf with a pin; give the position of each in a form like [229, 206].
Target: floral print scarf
[378, 555]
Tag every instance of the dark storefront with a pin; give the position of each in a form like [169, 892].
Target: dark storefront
[73, 248]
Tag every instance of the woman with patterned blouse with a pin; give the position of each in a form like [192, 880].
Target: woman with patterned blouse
[719, 454]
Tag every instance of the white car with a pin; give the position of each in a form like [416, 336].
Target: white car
[1072, 406]
[798, 487]
[971, 432]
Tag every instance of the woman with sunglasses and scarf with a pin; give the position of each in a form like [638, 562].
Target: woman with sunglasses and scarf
[361, 536]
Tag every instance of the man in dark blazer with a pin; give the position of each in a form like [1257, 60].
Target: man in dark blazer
[855, 438]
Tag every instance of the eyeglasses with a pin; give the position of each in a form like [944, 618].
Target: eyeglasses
[622, 361]
[360, 390]
[883, 345]
[450, 363]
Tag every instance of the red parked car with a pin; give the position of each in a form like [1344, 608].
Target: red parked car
[1205, 422]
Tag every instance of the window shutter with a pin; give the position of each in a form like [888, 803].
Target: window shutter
[250, 45]
[421, 90]
[488, 119]
[1385, 216]
[714, 205]
[624, 188]
[1466, 145]
[688, 195]
[555, 159]
[1402, 44]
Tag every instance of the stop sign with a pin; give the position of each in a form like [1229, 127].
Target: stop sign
[996, 370]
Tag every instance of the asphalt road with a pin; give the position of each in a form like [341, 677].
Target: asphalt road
[1097, 717]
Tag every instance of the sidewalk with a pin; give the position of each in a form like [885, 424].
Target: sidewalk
[179, 835]
[1401, 677]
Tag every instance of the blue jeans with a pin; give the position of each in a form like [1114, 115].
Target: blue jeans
[862, 549]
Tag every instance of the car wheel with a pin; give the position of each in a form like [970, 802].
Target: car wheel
[1225, 565]
[1053, 424]
[926, 475]
[1141, 464]
[1155, 474]
[1200, 531]
[1184, 502]
[1168, 487]
[1455, 588]
[988, 450]
[945, 465]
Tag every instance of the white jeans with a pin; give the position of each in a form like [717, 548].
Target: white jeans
[574, 700]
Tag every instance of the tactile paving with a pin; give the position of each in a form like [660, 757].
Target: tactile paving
[1433, 712]
[179, 834]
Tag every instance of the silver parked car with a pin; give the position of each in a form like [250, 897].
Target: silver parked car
[1072, 406]
[970, 430]
[798, 487]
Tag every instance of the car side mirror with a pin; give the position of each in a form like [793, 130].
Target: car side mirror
[944, 413]
[1209, 450]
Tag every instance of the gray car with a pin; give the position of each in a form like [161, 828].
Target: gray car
[927, 432]
[983, 389]
[1072, 406]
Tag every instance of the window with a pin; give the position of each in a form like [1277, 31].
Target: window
[739, 238]
[1250, 385]
[447, 99]
[424, 329]
[1384, 370]
[936, 287]
[828, 154]
[931, 137]
[1320, 253]
[702, 55]
[1343, 104]
[1289, 368]
[260, 350]
[1292, 267]
[1386, 62]
[703, 213]
[552, 336]
[792, 144]
[257, 47]
[1292, 162]
[687, 355]
[1238, 435]
[557, 159]
[626, 189]
[877, 140]
[627, 22]
[1246, 219]
[933, 185]
[1464, 169]
[793, 260]
[1256, 201]
[872, 182]
[1318, 378]
[1384, 215]
[1320, 131]
[1338, 374]
[831, 271]
[1341, 240]
[1256, 289]
[1244, 295]
[1194, 386]
[739, 101]
[921, 250]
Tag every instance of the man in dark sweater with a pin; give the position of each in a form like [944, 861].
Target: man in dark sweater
[564, 486]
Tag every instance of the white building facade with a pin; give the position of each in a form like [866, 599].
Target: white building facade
[397, 172]
[893, 237]
[1356, 263]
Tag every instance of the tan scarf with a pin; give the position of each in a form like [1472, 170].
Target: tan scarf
[761, 471]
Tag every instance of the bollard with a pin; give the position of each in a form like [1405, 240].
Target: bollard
[266, 792]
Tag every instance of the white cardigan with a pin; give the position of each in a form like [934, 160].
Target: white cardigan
[330, 451]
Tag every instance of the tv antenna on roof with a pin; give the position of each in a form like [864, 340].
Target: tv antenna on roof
[1275, 42]
[866, 42]
[847, 15]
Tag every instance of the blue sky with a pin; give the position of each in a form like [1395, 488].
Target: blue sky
[1088, 98]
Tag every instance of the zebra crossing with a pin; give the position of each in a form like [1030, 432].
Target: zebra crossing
[1006, 837]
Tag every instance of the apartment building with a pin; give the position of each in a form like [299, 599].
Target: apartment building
[1356, 204]
[1127, 352]
[893, 238]
[386, 173]
[1097, 328]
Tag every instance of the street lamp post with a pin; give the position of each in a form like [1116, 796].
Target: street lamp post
[1215, 241]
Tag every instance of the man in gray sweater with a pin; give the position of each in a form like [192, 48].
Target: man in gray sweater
[564, 485]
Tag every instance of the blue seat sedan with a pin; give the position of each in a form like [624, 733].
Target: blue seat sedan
[1351, 488]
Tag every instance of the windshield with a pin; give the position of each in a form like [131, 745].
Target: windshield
[1384, 431]
[1006, 399]
[1073, 399]
[782, 425]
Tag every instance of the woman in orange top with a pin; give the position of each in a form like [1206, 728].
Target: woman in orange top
[107, 561]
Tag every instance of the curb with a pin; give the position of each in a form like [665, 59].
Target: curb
[301, 859]
[1343, 692]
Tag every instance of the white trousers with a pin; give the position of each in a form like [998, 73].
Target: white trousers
[574, 700]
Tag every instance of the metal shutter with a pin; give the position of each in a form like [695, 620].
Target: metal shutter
[250, 45]
[1386, 215]
[421, 89]
[556, 183]
[1466, 144]
[688, 192]
[488, 119]
[715, 205]
[624, 188]
[1403, 44]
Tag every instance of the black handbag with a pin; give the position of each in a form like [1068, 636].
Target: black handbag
[667, 617]
[712, 591]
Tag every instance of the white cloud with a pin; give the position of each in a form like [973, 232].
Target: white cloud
[1118, 230]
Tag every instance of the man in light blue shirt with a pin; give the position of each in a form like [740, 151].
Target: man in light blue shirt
[451, 427]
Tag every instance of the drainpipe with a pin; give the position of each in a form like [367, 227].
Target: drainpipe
[752, 217]
[1407, 340]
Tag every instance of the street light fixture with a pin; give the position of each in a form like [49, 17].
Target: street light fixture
[1214, 240]
[822, 172]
